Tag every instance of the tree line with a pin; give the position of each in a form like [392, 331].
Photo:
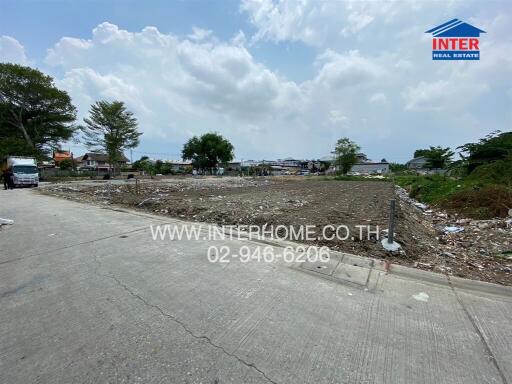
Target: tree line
[496, 147]
[36, 117]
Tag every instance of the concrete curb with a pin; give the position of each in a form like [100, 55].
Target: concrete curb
[414, 273]
[417, 274]
[481, 286]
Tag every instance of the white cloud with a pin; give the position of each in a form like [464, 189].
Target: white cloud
[220, 77]
[404, 65]
[199, 34]
[316, 22]
[343, 70]
[283, 20]
[366, 53]
[89, 82]
[429, 96]
[11, 51]
[378, 98]
[463, 83]
[452, 94]
[239, 38]
[175, 85]
[337, 117]
[68, 52]
[182, 86]
[356, 22]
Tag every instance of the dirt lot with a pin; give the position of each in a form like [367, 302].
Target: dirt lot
[295, 201]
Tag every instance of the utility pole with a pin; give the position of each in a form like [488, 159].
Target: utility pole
[389, 242]
[391, 223]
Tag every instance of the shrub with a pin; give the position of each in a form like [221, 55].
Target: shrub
[481, 203]
[498, 172]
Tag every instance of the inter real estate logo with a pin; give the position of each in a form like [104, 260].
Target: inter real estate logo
[455, 40]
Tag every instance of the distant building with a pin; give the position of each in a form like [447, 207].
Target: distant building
[289, 162]
[329, 158]
[234, 165]
[178, 165]
[419, 162]
[362, 158]
[78, 161]
[363, 165]
[99, 162]
[58, 156]
[249, 163]
[369, 168]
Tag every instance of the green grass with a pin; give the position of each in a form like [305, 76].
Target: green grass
[499, 172]
[430, 189]
[484, 194]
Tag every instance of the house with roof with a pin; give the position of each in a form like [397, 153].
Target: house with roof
[421, 166]
[99, 162]
[58, 156]
[419, 162]
[370, 168]
[362, 158]
[363, 165]
[178, 165]
[288, 162]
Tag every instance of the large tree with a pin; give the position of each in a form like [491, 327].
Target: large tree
[207, 151]
[110, 128]
[495, 146]
[35, 116]
[346, 154]
[437, 157]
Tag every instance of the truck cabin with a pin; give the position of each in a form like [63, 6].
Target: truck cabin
[24, 169]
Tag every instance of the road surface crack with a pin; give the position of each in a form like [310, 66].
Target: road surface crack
[479, 332]
[110, 275]
[56, 250]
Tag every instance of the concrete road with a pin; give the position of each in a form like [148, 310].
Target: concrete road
[86, 296]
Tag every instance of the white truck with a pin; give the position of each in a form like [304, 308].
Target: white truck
[23, 170]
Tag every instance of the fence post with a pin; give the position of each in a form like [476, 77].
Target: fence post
[391, 223]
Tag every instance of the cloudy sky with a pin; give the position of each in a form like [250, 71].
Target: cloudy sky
[277, 78]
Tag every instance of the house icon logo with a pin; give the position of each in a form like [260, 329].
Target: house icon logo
[455, 40]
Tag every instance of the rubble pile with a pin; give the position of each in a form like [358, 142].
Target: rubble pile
[111, 193]
[478, 249]
[430, 239]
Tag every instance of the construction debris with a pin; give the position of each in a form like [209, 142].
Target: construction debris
[452, 229]
[478, 249]
[429, 239]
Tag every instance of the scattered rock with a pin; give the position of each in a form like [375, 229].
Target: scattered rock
[452, 229]
[449, 254]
